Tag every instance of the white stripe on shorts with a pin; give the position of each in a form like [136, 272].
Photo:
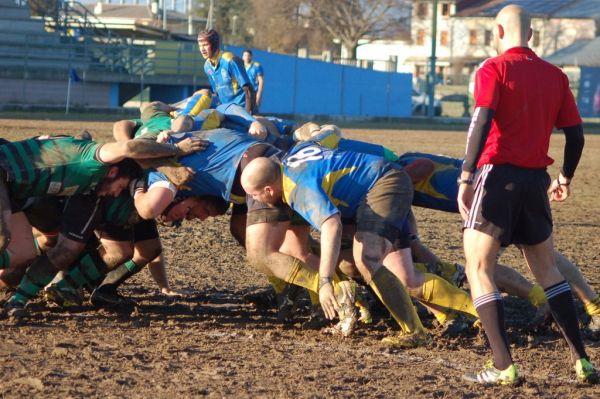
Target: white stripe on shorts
[485, 170]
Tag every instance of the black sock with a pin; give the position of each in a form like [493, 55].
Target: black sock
[491, 313]
[563, 310]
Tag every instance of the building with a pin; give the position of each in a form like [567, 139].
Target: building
[464, 33]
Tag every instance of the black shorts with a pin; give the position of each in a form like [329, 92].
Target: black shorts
[140, 231]
[385, 208]
[45, 213]
[511, 204]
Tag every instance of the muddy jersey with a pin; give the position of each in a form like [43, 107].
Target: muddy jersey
[439, 190]
[215, 167]
[330, 140]
[319, 182]
[53, 166]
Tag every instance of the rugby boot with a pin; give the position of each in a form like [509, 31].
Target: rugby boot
[408, 341]
[286, 301]
[261, 298]
[593, 327]
[65, 297]
[490, 375]
[344, 294]
[586, 373]
[14, 310]
[454, 326]
[109, 298]
[460, 276]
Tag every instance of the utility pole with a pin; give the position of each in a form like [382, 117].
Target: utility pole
[190, 29]
[431, 80]
[209, 19]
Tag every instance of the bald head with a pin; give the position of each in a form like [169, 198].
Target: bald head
[259, 172]
[513, 25]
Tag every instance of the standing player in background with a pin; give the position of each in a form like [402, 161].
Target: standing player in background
[225, 72]
[256, 75]
[519, 99]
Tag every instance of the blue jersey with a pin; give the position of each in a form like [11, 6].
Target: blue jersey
[215, 167]
[319, 182]
[330, 140]
[227, 78]
[254, 70]
[439, 190]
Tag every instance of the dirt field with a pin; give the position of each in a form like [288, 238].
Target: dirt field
[214, 344]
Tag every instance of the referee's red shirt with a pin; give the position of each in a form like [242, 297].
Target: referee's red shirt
[529, 97]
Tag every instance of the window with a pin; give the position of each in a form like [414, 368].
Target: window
[536, 38]
[472, 36]
[488, 38]
[446, 9]
[444, 38]
[420, 37]
[422, 10]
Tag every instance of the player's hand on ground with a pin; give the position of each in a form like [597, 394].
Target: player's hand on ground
[465, 199]
[192, 144]
[328, 301]
[559, 192]
[258, 131]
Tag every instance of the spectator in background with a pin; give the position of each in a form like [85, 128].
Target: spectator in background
[256, 75]
[225, 71]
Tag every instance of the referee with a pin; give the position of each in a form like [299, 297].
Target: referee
[519, 99]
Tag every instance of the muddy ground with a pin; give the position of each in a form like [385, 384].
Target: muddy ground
[215, 344]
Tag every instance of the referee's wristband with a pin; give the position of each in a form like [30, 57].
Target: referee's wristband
[562, 184]
[468, 181]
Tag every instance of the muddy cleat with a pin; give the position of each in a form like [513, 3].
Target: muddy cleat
[586, 373]
[344, 295]
[111, 299]
[285, 302]
[408, 341]
[263, 298]
[542, 318]
[65, 298]
[364, 315]
[13, 310]
[490, 375]
[594, 326]
[453, 327]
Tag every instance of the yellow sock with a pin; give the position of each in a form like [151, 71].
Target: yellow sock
[439, 292]
[536, 296]
[277, 284]
[302, 275]
[396, 299]
[203, 103]
[593, 308]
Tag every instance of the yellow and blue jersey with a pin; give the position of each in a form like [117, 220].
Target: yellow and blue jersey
[227, 78]
[215, 167]
[319, 182]
[254, 70]
[439, 190]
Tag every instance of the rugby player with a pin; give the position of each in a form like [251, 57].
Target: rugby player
[508, 141]
[62, 167]
[226, 72]
[256, 76]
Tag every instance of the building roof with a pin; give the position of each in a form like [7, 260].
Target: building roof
[583, 52]
[537, 8]
[130, 11]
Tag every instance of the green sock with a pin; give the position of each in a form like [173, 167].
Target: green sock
[88, 272]
[37, 276]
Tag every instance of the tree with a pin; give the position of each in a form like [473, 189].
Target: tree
[353, 20]
[281, 26]
[230, 19]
